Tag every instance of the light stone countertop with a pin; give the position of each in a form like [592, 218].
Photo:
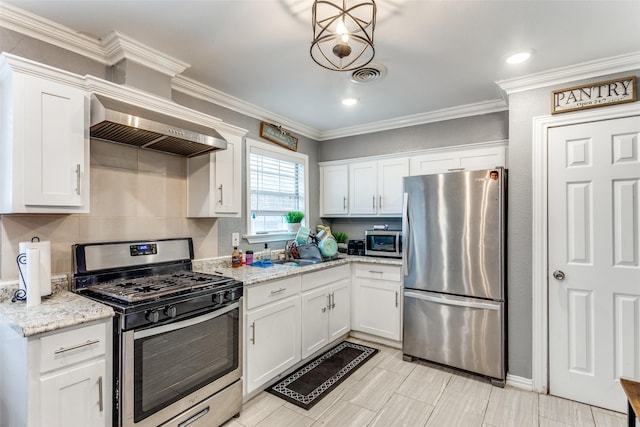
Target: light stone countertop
[64, 309]
[253, 275]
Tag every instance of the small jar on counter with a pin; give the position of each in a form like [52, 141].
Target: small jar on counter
[249, 256]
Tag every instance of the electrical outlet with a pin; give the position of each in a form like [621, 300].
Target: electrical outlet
[235, 239]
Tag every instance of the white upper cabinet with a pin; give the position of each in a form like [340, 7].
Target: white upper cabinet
[44, 155]
[334, 190]
[455, 159]
[214, 181]
[390, 186]
[363, 188]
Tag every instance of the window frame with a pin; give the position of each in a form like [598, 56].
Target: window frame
[280, 153]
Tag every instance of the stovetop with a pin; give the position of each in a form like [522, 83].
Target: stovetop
[133, 290]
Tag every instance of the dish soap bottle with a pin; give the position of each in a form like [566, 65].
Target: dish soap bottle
[236, 258]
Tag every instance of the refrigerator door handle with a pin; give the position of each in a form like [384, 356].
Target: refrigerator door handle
[405, 233]
[450, 301]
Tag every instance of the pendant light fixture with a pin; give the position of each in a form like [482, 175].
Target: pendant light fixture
[343, 33]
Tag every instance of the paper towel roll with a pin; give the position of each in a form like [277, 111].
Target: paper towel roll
[33, 277]
[44, 281]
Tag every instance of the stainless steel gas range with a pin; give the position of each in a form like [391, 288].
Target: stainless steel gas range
[177, 345]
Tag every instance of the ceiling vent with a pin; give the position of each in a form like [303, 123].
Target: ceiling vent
[369, 74]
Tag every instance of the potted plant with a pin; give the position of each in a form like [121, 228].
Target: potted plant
[341, 238]
[293, 219]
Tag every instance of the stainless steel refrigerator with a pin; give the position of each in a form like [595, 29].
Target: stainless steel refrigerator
[454, 270]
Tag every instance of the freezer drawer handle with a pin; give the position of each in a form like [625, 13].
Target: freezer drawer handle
[447, 301]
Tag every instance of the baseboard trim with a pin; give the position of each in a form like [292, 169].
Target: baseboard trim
[520, 382]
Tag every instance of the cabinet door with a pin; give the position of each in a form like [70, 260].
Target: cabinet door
[334, 182]
[55, 170]
[227, 189]
[74, 397]
[390, 190]
[340, 313]
[377, 308]
[363, 189]
[482, 158]
[426, 164]
[315, 310]
[272, 341]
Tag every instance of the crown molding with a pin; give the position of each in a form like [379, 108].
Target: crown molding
[111, 49]
[209, 94]
[34, 26]
[118, 46]
[468, 110]
[581, 71]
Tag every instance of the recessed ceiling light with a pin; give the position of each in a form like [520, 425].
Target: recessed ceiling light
[518, 57]
[349, 101]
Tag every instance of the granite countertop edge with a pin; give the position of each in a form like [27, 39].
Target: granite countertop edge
[66, 309]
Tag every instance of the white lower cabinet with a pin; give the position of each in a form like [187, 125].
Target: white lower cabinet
[377, 298]
[271, 330]
[326, 308]
[57, 379]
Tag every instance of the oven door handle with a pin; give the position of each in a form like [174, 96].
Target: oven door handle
[185, 323]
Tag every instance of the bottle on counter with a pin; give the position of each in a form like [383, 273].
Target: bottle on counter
[236, 258]
[249, 256]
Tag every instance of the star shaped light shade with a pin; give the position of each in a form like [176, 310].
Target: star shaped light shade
[343, 33]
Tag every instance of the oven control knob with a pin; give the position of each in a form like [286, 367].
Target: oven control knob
[218, 298]
[153, 316]
[170, 311]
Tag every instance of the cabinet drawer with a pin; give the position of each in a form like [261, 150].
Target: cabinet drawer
[324, 277]
[72, 346]
[264, 293]
[378, 271]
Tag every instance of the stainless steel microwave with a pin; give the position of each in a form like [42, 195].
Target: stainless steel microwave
[383, 243]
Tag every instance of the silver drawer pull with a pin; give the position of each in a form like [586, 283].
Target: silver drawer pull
[100, 400]
[278, 291]
[376, 271]
[75, 347]
[78, 179]
[195, 418]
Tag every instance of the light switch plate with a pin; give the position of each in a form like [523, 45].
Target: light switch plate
[235, 239]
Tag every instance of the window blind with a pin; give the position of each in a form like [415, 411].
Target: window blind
[276, 187]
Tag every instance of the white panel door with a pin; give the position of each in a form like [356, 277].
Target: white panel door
[334, 190]
[594, 242]
[315, 326]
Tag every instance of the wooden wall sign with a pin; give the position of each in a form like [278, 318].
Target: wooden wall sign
[278, 135]
[609, 92]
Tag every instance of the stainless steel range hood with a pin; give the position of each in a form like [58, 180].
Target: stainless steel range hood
[116, 121]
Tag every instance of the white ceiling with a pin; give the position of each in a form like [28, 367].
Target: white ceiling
[439, 54]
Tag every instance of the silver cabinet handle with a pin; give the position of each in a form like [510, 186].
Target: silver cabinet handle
[78, 179]
[396, 298]
[344, 203]
[455, 169]
[380, 202]
[558, 275]
[324, 309]
[75, 347]
[220, 188]
[333, 300]
[277, 291]
[253, 333]
[376, 271]
[100, 400]
[373, 204]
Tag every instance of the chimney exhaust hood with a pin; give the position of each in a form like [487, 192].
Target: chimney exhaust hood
[117, 121]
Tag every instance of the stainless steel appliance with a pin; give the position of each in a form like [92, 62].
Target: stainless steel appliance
[383, 243]
[176, 339]
[454, 270]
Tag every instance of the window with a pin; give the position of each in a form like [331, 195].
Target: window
[276, 184]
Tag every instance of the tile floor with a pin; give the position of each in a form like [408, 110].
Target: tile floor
[386, 391]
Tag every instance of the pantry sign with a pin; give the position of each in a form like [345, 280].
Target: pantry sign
[594, 95]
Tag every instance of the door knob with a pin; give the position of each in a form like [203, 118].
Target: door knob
[558, 275]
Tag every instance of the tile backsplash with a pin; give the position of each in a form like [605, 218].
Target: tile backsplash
[135, 194]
